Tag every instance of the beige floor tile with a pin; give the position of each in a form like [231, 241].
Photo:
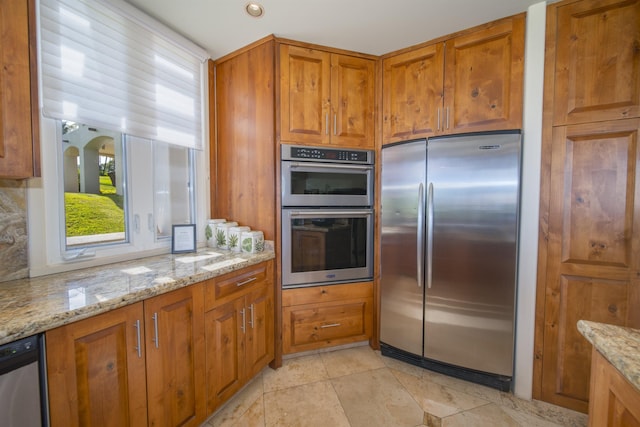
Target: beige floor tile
[295, 372]
[437, 399]
[535, 410]
[407, 368]
[248, 400]
[476, 390]
[376, 398]
[351, 361]
[489, 415]
[308, 405]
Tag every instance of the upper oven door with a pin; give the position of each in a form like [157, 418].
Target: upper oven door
[326, 184]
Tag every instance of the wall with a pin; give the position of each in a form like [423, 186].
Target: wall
[13, 230]
[529, 204]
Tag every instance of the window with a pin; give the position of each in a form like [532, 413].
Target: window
[94, 196]
[123, 102]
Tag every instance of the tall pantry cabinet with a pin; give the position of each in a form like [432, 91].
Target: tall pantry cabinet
[589, 241]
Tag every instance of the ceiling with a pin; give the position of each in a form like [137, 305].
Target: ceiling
[374, 26]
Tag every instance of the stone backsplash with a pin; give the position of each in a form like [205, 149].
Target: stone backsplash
[13, 230]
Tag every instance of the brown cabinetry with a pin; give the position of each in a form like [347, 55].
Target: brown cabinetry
[470, 82]
[175, 358]
[325, 316]
[243, 154]
[326, 98]
[239, 330]
[613, 400]
[589, 237]
[597, 66]
[19, 148]
[118, 368]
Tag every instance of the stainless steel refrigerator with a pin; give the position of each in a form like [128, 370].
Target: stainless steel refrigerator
[449, 216]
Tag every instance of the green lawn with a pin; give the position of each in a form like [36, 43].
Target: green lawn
[89, 214]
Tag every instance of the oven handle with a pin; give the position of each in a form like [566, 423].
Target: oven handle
[329, 166]
[315, 213]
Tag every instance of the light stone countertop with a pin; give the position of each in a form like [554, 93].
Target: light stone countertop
[31, 306]
[619, 345]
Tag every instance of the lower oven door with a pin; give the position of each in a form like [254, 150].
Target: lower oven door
[326, 246]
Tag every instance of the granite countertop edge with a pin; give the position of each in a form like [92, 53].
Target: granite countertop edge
[618, 344]
[35, 305]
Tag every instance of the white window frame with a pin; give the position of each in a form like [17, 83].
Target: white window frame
[46, 209]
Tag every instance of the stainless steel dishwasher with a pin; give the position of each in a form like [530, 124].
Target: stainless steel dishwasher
[22, 383]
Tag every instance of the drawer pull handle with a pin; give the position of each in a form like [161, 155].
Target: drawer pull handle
[330, 325]
[249, 280]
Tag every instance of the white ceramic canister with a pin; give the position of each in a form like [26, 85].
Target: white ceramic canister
[252, 241]
[234, 237]
[210, 231]
[222, 234]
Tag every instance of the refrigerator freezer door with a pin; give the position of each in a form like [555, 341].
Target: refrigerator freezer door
[402, 245]
[470, 306]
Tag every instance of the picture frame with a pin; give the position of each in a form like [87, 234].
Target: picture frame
[183, 238]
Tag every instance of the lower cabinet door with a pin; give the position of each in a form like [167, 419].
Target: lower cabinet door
[175, 357]
[259, 343]
[224, 329]
[96, 371]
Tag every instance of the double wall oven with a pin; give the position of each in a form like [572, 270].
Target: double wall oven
[327, 215]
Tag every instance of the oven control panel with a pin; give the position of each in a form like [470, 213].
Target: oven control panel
[291, 152]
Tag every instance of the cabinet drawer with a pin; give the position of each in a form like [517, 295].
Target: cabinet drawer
[235, 283]
[312, 326]
[321, 294]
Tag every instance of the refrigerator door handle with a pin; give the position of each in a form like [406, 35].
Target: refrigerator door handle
[429, 235]
[420, 248]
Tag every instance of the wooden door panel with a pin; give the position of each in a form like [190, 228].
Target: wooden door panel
[412, 93]
[597, 74]
[304, 95]
[96, 376]
[16, 131]
[581, 298]
[175, 357]
[259, 330]
[593, 242]
[614, 400]
[225, 352]
[484, 79]
[352, 101]
[242, 157]
[598, 205]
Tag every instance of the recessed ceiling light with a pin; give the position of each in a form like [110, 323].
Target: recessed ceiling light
[254, 9]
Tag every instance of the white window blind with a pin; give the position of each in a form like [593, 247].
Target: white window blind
[107, 64]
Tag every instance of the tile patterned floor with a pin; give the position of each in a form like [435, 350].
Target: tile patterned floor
[359, 387]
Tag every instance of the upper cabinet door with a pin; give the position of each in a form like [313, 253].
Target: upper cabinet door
[352, 101]
[16, 129]
[597, 75]
[305, 91]
[412, 93]
[483, 86]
